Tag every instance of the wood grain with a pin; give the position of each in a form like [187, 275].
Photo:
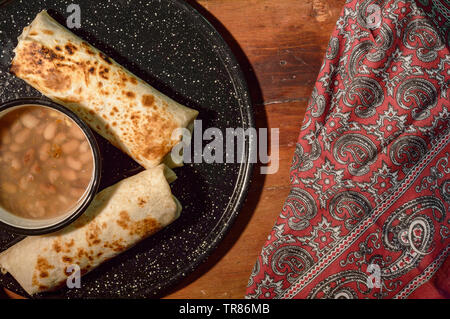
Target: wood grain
[284, 41]
[280, 45]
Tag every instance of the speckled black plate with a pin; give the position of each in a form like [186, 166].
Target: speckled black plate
[172, 47]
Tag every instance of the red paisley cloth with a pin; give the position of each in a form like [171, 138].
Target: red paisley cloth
[368, 212]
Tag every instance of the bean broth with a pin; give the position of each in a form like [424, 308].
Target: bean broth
[46, 162]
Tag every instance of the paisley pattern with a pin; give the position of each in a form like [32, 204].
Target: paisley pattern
[365, 94]
[301, 205]
[356, 151]
[410, 230]
[349, 207]
[367, 215]
[407, 150]
[344, 285]
[420, 35]
[291, 261]
[419, 95]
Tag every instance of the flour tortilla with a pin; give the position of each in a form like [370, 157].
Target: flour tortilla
[118, 218]
[122, 108]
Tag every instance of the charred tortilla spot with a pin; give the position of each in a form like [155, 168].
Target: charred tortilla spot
[87, 47]
[116, 245]
[104, 72]
[133, 80]
[67, 259]
[130, 95]
[141, 202]
[70, 243]
[148, 100]
[91, 70]
[145, 227]
[42, 267]
[57, 246]
[49, 32]
[32, 33]
[49, 54]
[81, 252]
[124, 219]
[105, 58]
[93, 234]
[70, 48]
[58, 48]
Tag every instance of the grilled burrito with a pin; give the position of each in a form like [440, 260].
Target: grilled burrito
[118, 218]
[124, 109]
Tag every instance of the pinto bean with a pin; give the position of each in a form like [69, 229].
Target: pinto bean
[15, 164]
[60, 138]
[44, 151]
[50, 131]
[53, 175]
[69, 175]
[29, 121]
[15, 147]
[73, 163]
[77, 132]
[16, 127]
[5, 138]
[70, 146]
[84, 147]
[85, 157]
[76, 192]
[22, 136]
[39, 209]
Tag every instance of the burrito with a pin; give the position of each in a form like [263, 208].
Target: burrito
[118, 218]
[121, 107]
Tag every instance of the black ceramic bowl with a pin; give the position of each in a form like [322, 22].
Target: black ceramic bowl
[26, 226]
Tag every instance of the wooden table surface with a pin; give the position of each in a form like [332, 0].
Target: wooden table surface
[280, 45]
